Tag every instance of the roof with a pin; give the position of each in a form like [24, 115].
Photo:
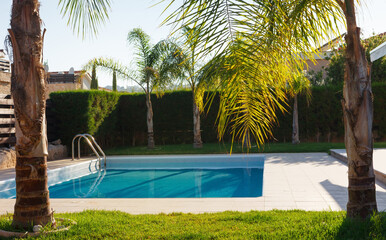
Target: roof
[67, 72]
[378, 52]
[65, 76]
[334, 42]
[61, 78]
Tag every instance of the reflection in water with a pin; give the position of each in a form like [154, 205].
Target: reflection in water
[78, 189]
[198, 176]
[160, 183]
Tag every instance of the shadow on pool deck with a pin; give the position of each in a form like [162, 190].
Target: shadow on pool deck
[340, 194]
[316, 159]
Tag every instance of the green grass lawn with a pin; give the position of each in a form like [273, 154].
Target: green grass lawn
[226, 225]
[211, 148]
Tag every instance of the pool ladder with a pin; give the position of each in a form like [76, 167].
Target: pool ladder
[92, 143]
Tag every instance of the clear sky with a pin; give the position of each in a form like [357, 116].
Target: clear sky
[63, 49]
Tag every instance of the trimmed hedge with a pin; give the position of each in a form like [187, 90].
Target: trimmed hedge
[319, 120]
[322, 119]
[119, 119]
[82, 112]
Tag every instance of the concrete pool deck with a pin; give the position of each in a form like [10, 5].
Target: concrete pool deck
[306, 181]
[379, 161]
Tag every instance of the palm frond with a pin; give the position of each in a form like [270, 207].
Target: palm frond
[85, 16]
[141, 42]
[259, 46]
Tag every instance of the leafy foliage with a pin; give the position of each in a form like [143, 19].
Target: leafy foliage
[257, 47]
[150, 60]
[335, 70]
[84, 16]
[315, 77]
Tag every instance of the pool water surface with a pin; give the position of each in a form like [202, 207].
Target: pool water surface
[178, 176]
[160, 183]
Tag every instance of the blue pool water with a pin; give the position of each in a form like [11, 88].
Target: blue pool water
[183, 176]
[185, 183]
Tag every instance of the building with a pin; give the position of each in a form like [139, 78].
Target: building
[322, 60]
[67, 80]
[5, 74]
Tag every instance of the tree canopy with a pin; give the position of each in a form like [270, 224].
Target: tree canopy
[259, 47]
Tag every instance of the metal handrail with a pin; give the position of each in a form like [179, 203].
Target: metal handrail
[87, 137]
[97, 145]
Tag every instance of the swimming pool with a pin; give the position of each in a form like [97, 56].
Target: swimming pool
[185, 176]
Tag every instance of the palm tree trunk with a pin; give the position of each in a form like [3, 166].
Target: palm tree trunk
[358, 118]
[28, 91]
[197, 142]
[295, 122]
[150, 133]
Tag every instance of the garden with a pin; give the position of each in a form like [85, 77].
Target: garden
[241, 67]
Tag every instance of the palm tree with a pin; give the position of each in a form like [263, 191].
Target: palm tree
[183, 64]
[28, 91]
[277, 32]
[151, 74]
[300, 85]
[32, 201]
[358, 121]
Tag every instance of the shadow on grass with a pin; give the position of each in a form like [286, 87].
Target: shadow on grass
[372, 228]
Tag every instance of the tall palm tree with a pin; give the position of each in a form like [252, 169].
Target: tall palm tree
[301, 85]
[27, 87]
[278, 32]
[358, 120]
[151, 74]
[183, 64]
[28, 91]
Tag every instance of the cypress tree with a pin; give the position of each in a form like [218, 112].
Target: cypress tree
[94, 80]
[114, 81]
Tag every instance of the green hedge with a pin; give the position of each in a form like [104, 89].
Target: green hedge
[118, 119]
[173, 120]
[322, 119]
[319, 120]
[82, 112]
